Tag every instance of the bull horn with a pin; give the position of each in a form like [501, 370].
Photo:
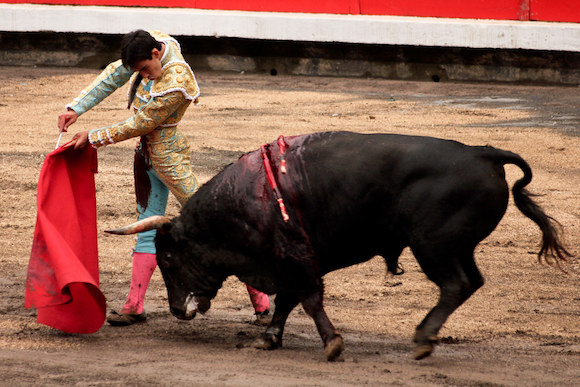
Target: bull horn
[150, 223]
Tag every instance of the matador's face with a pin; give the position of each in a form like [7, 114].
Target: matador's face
[150, 68]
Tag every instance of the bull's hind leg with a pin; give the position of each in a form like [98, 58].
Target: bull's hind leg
[333, 344]
[272, 338]
[458, 278]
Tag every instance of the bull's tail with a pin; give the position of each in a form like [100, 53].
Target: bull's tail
[552, 250]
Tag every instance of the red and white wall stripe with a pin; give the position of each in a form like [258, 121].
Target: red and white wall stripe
[513, 24]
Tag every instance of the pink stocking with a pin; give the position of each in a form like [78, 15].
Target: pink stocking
[260, 300]
[144, 265]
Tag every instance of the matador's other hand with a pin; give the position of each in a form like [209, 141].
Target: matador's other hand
[80, 140]
[66, 119]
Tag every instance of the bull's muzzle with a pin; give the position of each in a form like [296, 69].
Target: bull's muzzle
[191, 306]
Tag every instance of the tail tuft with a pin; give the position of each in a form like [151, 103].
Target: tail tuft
[552, 250]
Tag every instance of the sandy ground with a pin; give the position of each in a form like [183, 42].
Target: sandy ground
[521, 329]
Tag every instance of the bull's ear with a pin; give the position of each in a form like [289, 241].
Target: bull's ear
[178, 231]
[165, 228]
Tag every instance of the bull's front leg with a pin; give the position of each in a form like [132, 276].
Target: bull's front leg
[272, 338]
[333, 344]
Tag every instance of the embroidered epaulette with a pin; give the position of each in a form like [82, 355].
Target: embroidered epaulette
[177, 76]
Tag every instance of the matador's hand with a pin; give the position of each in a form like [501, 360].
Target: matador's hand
[66, 119]
[80, 140]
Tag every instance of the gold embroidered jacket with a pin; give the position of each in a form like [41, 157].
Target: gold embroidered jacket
[159, 106]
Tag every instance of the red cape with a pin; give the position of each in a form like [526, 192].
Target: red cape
[63, 272]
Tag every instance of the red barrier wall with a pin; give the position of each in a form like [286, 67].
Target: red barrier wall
[545, 10]
[555, 10]
[471, 9]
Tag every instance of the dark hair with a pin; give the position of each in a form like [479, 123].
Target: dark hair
[137, 46]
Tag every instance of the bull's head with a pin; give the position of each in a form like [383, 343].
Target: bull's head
[173, 250]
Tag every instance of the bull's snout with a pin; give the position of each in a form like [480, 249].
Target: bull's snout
[180, 313]
[191, 306]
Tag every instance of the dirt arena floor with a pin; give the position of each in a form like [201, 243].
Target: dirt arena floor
[521, 329]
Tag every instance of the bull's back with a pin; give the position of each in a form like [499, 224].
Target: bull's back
[352, 196]
[375, 194]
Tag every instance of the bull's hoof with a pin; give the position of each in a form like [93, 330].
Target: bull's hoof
[334, 348]
[268, 342]
[423, 350]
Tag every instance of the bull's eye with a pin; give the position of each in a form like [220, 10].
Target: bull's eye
[164, 260]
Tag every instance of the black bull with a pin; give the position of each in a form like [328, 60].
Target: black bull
[349, 197]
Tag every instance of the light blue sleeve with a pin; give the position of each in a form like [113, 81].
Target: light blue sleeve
[114, 76]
